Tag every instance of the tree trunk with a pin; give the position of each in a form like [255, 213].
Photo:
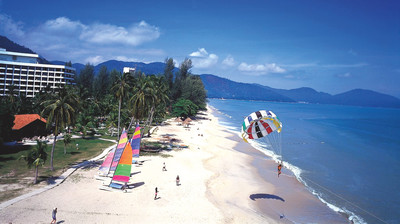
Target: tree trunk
[151, 117]
[36, 174]
[52, 153]
[119, 116]
[146, 123]
[65, 149]
[130, 124]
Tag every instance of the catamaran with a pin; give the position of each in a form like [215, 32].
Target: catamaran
[122, 162]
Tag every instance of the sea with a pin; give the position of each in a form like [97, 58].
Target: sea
[347, 156]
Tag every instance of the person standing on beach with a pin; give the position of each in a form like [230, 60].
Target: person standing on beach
[54, 213]
[155, 196]
[177, 180]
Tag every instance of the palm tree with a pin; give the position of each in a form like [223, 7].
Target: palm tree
[67, 140]
[121, 87]
[160, 97]
[143, 97]
[60, 113]
[148, 92]
[36, 157]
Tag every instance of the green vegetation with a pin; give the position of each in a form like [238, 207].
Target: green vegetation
[16, 171]
[185, 108]
[102, 103]
[60, 113]
[36, 157]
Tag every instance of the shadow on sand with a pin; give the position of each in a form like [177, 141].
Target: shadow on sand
[134, 185]
[135, 173]
[265, 196]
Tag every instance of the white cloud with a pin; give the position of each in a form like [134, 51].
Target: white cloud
[176, 62]
[63, 24]
[65, 39]
[357, 65]
[202, 59]
[200, 53]
[8, 26]
[134, 35]
[229, 61]
[260, 69]
[124, 58]
[94, 60]
[300, 65]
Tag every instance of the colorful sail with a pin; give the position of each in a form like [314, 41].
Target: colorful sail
[123, 170]
[120, 148]
[135, 142]
[105, 167]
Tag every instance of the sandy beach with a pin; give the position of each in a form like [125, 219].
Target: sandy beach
[222, 180]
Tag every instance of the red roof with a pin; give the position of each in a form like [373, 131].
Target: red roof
[21, 120]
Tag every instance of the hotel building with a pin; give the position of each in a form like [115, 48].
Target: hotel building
[129, 70]
[28, 76]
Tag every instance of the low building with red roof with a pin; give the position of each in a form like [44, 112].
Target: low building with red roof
[29, 125]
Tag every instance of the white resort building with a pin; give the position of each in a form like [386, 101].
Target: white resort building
[129, 70]
[23, 71]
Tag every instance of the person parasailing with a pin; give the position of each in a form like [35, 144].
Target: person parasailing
[266, 126]
[280, 168]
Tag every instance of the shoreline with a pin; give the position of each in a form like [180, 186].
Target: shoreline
[283, 198]
[221, 182]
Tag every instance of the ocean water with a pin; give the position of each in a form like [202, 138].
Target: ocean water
[348, 156]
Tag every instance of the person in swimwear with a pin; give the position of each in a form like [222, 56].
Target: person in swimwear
[279, 169]
[53, 214]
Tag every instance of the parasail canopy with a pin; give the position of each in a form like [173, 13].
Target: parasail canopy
[260, 124]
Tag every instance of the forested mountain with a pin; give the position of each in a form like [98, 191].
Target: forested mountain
[218, 87]
[150, 68]
[12, 46]
[224, 88]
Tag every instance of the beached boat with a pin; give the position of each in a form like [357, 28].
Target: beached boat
[111, 161]
[135, 144]
[122, 172]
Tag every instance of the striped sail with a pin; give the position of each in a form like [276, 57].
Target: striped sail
[135, 142]
[105, 167]
[120, 148]
[123, 170]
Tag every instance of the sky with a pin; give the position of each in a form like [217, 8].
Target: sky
[331, 46]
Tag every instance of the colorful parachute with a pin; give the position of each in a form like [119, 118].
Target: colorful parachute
[263, 125]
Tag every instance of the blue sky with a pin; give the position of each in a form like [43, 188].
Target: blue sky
[331, 46]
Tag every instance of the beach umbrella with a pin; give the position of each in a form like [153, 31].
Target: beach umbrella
[187, 121]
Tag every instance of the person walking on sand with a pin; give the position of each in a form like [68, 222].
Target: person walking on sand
[177, 180]
[164, 167]
[155, 196]
[54, 213]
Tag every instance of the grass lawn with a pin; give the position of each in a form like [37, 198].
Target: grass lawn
[16, 172]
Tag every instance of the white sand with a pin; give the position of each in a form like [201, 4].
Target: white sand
[216, 184]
